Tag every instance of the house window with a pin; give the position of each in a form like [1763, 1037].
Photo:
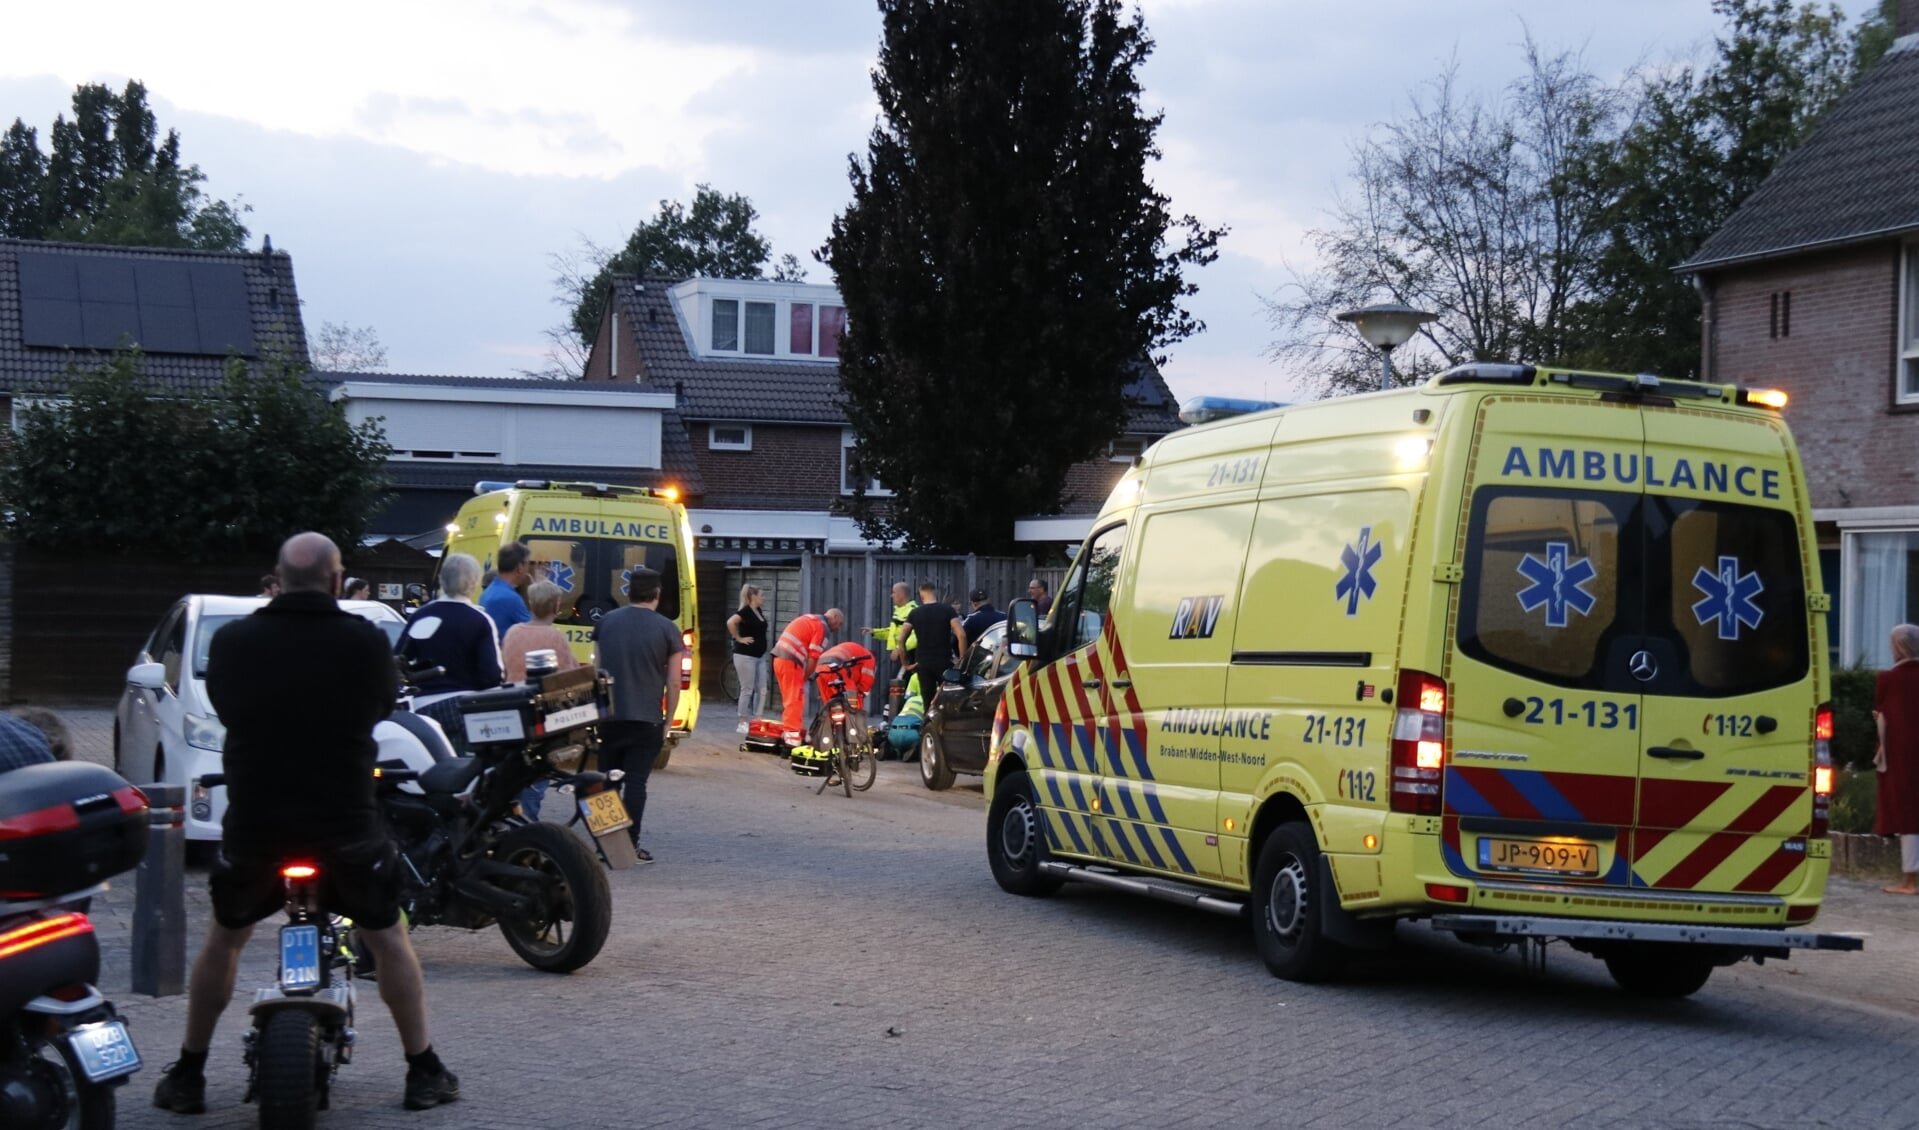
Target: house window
[730, 437]
[1909, 324]
[802, 339]
[832, 324]
[1780, 322]
[1126, 449]
[847, 445]
[726, 324]
[759, 328]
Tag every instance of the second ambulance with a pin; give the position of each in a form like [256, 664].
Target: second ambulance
[1525, 654]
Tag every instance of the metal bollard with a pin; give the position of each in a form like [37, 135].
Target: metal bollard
[160, 897]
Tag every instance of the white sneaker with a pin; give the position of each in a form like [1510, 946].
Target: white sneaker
[742, 728]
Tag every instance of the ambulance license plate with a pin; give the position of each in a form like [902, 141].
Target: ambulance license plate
[1545, 857]
[104, 1050]
[604, 812]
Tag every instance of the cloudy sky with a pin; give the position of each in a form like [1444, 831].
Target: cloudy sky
[422, 159]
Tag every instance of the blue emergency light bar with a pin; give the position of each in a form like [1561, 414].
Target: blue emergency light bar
[1206, 409]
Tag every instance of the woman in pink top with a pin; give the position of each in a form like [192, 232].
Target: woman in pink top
[539, 634]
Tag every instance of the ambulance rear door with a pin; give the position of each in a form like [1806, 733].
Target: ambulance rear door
[1725, 801]
[1546, 717]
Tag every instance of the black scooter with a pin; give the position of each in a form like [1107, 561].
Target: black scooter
[65, 828]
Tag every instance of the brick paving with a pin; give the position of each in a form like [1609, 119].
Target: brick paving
[795, 960]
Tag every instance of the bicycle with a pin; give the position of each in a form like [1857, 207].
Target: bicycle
[842, 731]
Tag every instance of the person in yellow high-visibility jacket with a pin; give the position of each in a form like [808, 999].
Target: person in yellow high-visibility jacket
[897, 637]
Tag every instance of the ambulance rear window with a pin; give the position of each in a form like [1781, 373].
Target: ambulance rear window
[1543, 580]
[1567, 587]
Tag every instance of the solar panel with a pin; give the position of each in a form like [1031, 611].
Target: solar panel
[49, 321]
[107, 325]
[164, 306]
[220, 307]
[106, 280]
[168, 329]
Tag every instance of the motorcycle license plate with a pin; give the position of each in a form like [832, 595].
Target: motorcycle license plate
[299, 957]
[103, 1050]
[604, 812]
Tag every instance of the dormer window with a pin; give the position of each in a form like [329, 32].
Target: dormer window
[726, 324]
[759, 328]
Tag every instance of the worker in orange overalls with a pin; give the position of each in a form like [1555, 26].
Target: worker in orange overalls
[794, 658]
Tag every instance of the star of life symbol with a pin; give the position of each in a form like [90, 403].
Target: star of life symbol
[561, 574]
[1359, 561]
[1558, 584]
[1728, 598]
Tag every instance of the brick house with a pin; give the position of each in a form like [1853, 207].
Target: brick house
[1813, 287]
[752, 365]
[68, 306]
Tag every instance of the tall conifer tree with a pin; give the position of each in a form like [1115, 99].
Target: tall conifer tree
[1007, 265]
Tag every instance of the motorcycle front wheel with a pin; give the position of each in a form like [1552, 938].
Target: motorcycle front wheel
[573, 906]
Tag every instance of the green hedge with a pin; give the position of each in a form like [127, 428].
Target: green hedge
[1854, 735]
[1853, 797]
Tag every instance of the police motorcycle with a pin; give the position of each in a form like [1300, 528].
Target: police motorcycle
[65, 828]
[469, 859]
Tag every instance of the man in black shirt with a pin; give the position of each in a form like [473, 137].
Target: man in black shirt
[940, 637]
[299, 686]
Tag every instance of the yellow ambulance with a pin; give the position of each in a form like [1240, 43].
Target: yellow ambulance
[1525, 654]
[586, 538]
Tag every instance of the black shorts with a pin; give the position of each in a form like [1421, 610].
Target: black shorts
[358, 881]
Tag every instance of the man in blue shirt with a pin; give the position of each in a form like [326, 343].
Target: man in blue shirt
[983, 616]
[502, 600]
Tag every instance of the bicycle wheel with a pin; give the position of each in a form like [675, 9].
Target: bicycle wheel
[864, 765]
[730, 682]
[842, 760]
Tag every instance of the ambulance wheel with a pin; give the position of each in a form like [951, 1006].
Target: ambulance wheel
[1665, 972]
[1286, 907]
[935, 774]
[1015, 842]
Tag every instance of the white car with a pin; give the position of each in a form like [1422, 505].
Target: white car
[165, 729]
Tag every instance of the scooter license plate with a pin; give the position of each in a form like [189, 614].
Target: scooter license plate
[604, 812]
[103, 1050]
[299, 957]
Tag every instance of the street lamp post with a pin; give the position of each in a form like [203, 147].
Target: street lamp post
[1386, 326]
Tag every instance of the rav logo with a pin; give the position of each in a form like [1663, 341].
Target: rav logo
[1195, 617]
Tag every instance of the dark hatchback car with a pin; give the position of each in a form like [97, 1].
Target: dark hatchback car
[959, 720]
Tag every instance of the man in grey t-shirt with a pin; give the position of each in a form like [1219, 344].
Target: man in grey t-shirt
[641, 650]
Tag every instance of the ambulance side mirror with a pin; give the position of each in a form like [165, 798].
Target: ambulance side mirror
[1022, 629]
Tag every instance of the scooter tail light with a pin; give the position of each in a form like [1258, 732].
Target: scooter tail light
[44, 931]
[299, 871]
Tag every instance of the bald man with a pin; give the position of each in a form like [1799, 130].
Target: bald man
[300, 685]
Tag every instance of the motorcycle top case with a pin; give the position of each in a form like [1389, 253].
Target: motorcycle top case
[65, 826]
[537, 708]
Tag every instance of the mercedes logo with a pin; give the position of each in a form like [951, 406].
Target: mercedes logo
[1642, 666]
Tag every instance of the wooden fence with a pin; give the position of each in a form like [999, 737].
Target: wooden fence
[860, 585]
[79, 621]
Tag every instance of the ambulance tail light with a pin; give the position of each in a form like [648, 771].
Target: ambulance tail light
[686, 661]
[1419, 743]
[1822, 770]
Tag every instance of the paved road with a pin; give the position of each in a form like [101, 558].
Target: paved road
[795, 960]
